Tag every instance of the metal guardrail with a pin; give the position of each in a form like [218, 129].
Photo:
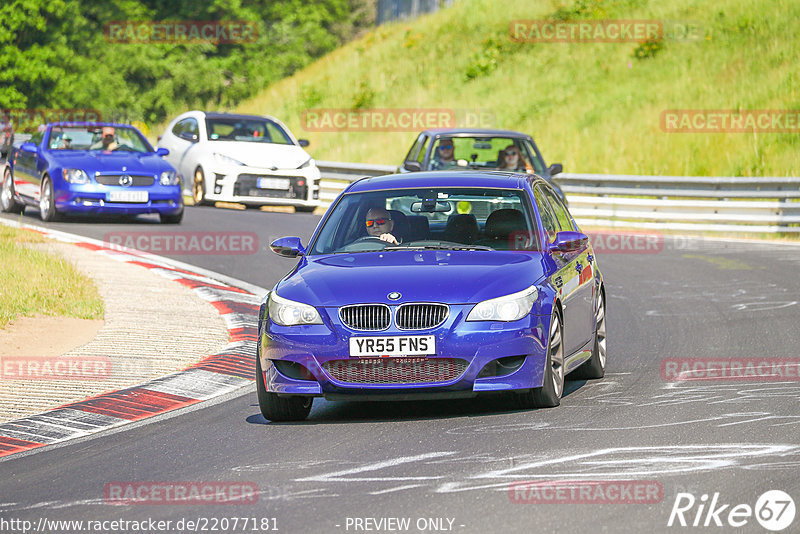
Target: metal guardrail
[691, 203]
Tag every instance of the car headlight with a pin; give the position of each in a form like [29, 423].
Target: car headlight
[169, 178]
[307, 164]
[287, 312]
[226, 160]
[511, 307]
[75, 176]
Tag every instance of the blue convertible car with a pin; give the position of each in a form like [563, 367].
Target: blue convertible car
[481, 283]
[81, 167]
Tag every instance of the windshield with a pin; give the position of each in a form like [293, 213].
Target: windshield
[247, 130]
[438, 218]
[103, 138]
[501, 153]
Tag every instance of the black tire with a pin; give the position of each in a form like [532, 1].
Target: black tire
[304, 209]
[549, 395]
[595, 367]
[8, 203]
[275, 408]
[47, 201]
[171, 219]
[199, 188]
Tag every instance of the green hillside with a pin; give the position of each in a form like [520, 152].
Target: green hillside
[595, 107]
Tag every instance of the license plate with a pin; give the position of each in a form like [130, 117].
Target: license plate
[367, 347]
[274, 183]
[127, 196]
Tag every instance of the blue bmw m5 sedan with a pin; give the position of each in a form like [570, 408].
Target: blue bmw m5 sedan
[91, 168]
[433, 285]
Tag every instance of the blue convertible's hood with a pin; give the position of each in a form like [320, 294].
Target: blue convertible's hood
[449, 276]
[98, 161]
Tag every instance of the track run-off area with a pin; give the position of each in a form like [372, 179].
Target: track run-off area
[650, 444]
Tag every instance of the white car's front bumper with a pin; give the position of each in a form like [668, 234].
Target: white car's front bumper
[240, 183]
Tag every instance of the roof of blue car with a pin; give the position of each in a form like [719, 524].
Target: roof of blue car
[496, 179]
[479, 132]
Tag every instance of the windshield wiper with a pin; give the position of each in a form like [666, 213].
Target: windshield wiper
[454, 246]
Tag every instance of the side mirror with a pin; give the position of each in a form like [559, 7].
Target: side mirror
[303, 142]
[288, 247]
[412, 166]
[569, 242]
[162, 152]
[188, 136]
[27, 146]
[555, 168]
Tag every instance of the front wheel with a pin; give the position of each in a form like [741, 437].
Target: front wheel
[47, 201]
[549, 395]
[275, 408]
[7, 202]
[199, 188]
[171, 219]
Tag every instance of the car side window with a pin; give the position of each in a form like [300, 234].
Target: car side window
[186, 125]
[36, 138]
[422, 148]
[549, 220]
[193, 128]
[415, 148]
[564, 219]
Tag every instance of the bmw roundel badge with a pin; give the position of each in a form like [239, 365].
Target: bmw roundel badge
[394, 295]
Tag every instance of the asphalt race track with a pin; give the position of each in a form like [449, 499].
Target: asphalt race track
[448, 465]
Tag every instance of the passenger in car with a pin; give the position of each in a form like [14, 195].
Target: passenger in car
[512, 160]
[379, 224]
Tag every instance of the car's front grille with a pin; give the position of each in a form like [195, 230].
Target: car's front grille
[366, 316]
[396, 370]
[421, 316]
[114, 179]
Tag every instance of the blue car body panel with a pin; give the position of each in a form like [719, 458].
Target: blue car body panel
[458, 278]
[30, 166]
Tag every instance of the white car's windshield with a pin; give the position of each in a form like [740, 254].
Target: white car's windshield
[247, 130]
[436, 218]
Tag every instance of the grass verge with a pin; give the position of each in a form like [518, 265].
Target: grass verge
[35, 282]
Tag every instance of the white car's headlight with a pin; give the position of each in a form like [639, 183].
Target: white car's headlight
[511, 307]
[75, 176]
[226, 160]
[169, 178]
[307, 164]
[287, 312]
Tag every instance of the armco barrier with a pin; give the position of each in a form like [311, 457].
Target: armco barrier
[691, 203]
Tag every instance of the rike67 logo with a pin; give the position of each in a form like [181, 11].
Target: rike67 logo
[774, 510]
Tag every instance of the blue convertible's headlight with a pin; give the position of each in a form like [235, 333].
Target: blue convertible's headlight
[287, 312]
[511, 307]
[75, 176]
[169, 178]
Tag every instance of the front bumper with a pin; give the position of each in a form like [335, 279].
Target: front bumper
[478, 343]
[229, 183]
[93, 199]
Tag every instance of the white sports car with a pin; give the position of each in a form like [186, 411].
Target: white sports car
[247, 159]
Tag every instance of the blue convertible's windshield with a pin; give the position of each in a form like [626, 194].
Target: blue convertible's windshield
[102, 138]
[465, 218]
